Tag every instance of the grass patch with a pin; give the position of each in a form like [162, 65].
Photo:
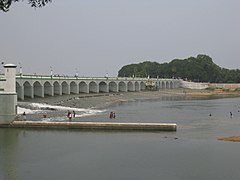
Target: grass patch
[237, 89]
[211, 88]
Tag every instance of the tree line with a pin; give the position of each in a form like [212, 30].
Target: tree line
[5, 4]
[196, 69]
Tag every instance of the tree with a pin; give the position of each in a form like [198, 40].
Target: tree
[197, 69]
[5, 4]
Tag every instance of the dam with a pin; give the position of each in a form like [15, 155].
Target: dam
[30, 86]
[14, 86]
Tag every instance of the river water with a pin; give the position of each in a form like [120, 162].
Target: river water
[191, 153]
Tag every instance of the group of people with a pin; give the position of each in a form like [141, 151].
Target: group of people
[71, 115]
[112, 115]
[231, 114]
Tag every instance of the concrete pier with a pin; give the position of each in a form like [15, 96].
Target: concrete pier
[94, 125]
[8, 102]
[8, 96]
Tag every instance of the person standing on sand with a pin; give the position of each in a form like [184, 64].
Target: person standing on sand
[44, 115]
[231, 115]
[74, 114]
[69, 115]
[111, 115]
[24, 116]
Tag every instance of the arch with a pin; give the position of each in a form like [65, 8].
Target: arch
[158, 84]
[130, 86]
[57, 88]
[167, 85]
[137, 86]
[122, 86]
[83, 88]
[38, 89]
[65, 88]
[142, 86]
[113, 87]
[171, 85]
[93, 88]
[28, 90]
[48, 89]
[103, 87]
[74, 87]
[174, 84]
[163, 85]
[19, 90]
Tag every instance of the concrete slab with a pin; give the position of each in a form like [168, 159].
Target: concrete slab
[94, 125]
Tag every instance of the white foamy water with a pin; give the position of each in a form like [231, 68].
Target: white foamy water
[33, 108]
[20, 110]
[49, 107]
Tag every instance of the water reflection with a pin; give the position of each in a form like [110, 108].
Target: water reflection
[8, 153]
[193, 152]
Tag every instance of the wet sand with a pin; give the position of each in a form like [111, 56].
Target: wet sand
[104, 100]
[231, 138]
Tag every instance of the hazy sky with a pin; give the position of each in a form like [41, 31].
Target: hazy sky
[95, 37]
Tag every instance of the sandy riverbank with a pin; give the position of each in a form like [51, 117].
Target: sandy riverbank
[231, 138]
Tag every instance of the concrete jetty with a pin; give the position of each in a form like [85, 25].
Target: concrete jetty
[93, 125]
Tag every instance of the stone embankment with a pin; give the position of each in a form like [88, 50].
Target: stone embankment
[225, 86]
[193, 85]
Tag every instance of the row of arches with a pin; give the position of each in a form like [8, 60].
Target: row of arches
[42, 89]
[166, 84]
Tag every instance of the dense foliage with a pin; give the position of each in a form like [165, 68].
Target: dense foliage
[197, 69]
[5, 4]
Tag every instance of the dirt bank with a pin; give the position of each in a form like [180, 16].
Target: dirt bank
[231, 138]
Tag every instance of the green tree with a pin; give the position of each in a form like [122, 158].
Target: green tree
[5, 4]
[197, 69]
